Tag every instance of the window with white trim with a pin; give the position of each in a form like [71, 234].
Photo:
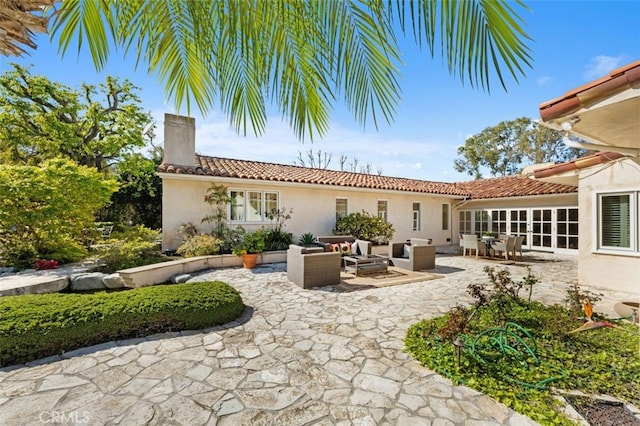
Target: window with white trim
[252, 206]
[465, 224]
[341, 208]
[416, 217]
[382, 210]
[618, 221]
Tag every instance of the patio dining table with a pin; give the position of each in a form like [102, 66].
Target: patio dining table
[488, 241]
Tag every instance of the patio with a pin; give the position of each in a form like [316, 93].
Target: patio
[295, 357]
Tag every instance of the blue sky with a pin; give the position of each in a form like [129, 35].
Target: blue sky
[574, 42]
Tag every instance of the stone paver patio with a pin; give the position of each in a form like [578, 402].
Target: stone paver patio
[295, 357]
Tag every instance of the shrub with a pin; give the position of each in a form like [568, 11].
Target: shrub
[44, 210]
[36, 326]
[275, 239]
[200, 245]
[134, 246]
[307, 239]
[364, 226]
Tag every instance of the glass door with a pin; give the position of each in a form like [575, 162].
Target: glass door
[519, 225]
[541, 229]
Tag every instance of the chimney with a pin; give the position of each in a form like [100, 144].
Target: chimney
[179, 140]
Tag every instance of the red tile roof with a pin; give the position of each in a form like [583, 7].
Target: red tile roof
[511, 186]
[578, 163]
[619, 79]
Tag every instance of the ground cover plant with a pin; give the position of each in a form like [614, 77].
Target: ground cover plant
[525, 367]
[36, 326]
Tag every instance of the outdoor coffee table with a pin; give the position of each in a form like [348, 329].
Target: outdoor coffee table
[365, 264]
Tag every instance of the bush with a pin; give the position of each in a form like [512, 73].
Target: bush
[36, 326]
[44, 210]
[134, 246]
[200, 245]
[364, 226]
[275, 239]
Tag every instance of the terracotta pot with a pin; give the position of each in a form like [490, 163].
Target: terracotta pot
[249, 260]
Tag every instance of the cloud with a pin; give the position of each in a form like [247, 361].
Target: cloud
[601, 65]
[544, 80]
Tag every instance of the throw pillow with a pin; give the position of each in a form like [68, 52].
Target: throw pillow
[334, 247]
[345, 248]
[406, 250]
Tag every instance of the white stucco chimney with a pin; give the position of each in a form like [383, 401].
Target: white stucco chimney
[179, 140]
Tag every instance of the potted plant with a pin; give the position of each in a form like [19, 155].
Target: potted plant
[251, 244]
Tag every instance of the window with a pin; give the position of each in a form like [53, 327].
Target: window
[445, 217]
[416, 216]
[465, 222]
[567, 228]
[252, 206]
[617, 221]
[341, 208]
[482, 222]
[382, 210]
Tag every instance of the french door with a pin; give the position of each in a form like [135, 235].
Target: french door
[545, 229]
[541, 229]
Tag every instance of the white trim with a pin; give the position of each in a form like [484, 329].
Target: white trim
[596, 228]
[263, 202]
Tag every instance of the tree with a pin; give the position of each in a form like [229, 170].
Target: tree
[322, 160]
[45, 210]
[138, 200]
[301, 55]
[40, 119]
[506, 147]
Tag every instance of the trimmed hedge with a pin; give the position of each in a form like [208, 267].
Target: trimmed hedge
[36, 326]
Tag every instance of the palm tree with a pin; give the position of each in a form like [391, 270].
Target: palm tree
[302, 55]
[20, 20]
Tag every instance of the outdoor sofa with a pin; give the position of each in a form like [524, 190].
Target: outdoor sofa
[338, 243]
[415, 255]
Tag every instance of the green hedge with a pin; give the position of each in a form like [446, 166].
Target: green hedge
[36, 326]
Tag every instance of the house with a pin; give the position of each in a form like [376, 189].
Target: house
[603, 115]
[545, 213]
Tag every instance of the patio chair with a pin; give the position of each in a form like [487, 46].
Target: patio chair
[460, 243]
[517, 247]
[471, 242]
[312, 266]
[413, 256]
[506, 247]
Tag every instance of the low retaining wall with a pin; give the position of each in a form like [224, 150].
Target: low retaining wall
[159, 273]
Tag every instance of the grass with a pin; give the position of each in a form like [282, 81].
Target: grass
[600, 361]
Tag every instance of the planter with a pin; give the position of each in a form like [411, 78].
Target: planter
[249, 260]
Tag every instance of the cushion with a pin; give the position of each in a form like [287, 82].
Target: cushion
[334, 247]
[345, 248]
[406, 250]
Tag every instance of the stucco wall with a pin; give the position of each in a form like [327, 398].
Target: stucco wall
[613, 271]
[313, 207]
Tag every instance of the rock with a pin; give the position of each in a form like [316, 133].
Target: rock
[7, 269]
[182, 278]
[113, 281]
[32, 284]
[87, 281]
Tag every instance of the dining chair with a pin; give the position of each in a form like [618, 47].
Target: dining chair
[517, 247]
[506, 247]
[471, 242]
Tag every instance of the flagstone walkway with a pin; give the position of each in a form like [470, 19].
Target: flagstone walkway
[295, 357]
